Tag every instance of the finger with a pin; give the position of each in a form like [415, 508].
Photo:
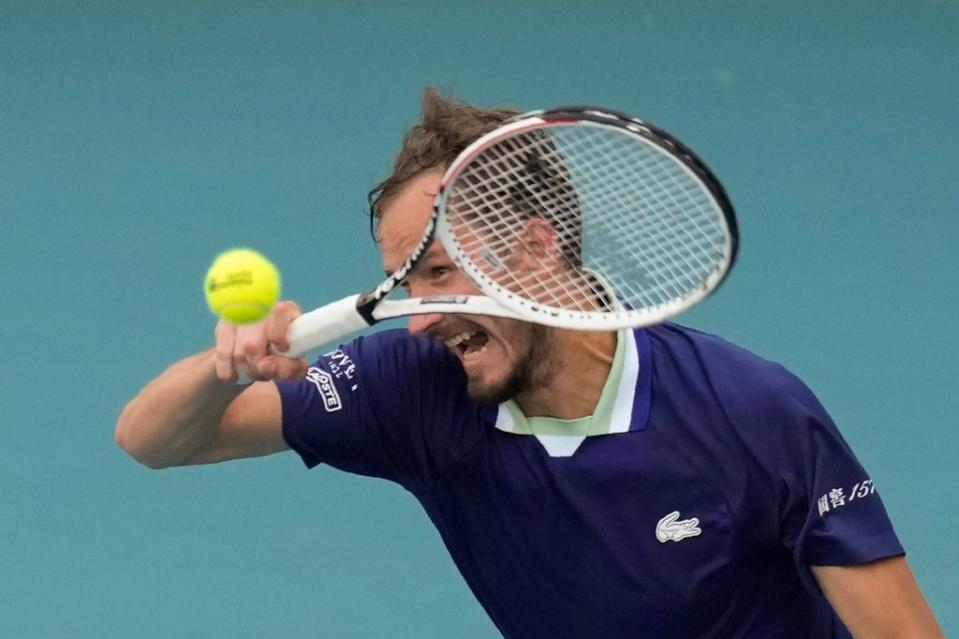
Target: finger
[225, 335]
[251, 347]
[242, 371]
[289, 368]
[279, 367]
[278, 324]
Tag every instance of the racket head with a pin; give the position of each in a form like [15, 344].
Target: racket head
[585, 218]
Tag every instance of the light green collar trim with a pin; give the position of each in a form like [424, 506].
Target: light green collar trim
[613, 410]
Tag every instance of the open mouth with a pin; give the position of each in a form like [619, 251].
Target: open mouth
[469, 344]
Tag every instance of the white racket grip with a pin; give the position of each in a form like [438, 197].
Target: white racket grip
[324, 325]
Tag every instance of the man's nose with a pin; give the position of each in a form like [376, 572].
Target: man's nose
[422, 323]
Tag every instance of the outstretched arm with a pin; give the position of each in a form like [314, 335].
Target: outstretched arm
[194, 412]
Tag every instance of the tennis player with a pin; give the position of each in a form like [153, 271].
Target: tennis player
[658, 482]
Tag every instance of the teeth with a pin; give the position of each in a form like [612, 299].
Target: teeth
[455, 340]
[473, 354]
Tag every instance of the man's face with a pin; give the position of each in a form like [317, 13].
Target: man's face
[501, 357]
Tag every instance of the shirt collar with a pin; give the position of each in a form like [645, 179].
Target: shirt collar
[629, 407]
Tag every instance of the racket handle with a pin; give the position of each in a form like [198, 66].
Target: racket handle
[324, 325]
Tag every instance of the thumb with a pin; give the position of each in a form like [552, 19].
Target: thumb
[279, 367]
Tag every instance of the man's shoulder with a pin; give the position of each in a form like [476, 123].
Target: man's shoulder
[394, 356]
[739, 379]
[693, 347]
[398, 346]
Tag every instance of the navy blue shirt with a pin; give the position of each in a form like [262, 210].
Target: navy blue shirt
[699, 519]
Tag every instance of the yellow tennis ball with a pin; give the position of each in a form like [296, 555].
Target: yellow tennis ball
[241, 286]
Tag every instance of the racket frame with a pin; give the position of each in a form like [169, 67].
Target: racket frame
[357, 312]
[624, 317]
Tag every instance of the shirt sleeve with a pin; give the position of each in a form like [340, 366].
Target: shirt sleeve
[833, 514]
[827, 508]
[387, 405]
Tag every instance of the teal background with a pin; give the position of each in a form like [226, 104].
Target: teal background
[138, 139]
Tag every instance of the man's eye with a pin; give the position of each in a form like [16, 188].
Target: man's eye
[439, 271]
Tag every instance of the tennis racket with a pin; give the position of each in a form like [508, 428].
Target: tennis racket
[578, 217]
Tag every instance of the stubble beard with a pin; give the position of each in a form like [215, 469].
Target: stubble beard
[531, 367]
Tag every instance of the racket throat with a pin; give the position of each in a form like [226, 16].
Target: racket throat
[366, 304]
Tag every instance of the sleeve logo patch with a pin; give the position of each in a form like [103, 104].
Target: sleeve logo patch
[836, 498]
[324, 383]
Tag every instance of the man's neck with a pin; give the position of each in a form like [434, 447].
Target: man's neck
[570, 384]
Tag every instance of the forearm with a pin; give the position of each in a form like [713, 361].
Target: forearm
[177, 414]
[878, 599]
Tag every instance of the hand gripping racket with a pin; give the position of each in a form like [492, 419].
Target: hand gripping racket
[577, 217]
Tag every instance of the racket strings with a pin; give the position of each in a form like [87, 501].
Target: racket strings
[520, 179]
[676, 247]
[653, 210]
[542, 211]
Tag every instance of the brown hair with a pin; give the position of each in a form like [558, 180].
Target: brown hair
[446, 127]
